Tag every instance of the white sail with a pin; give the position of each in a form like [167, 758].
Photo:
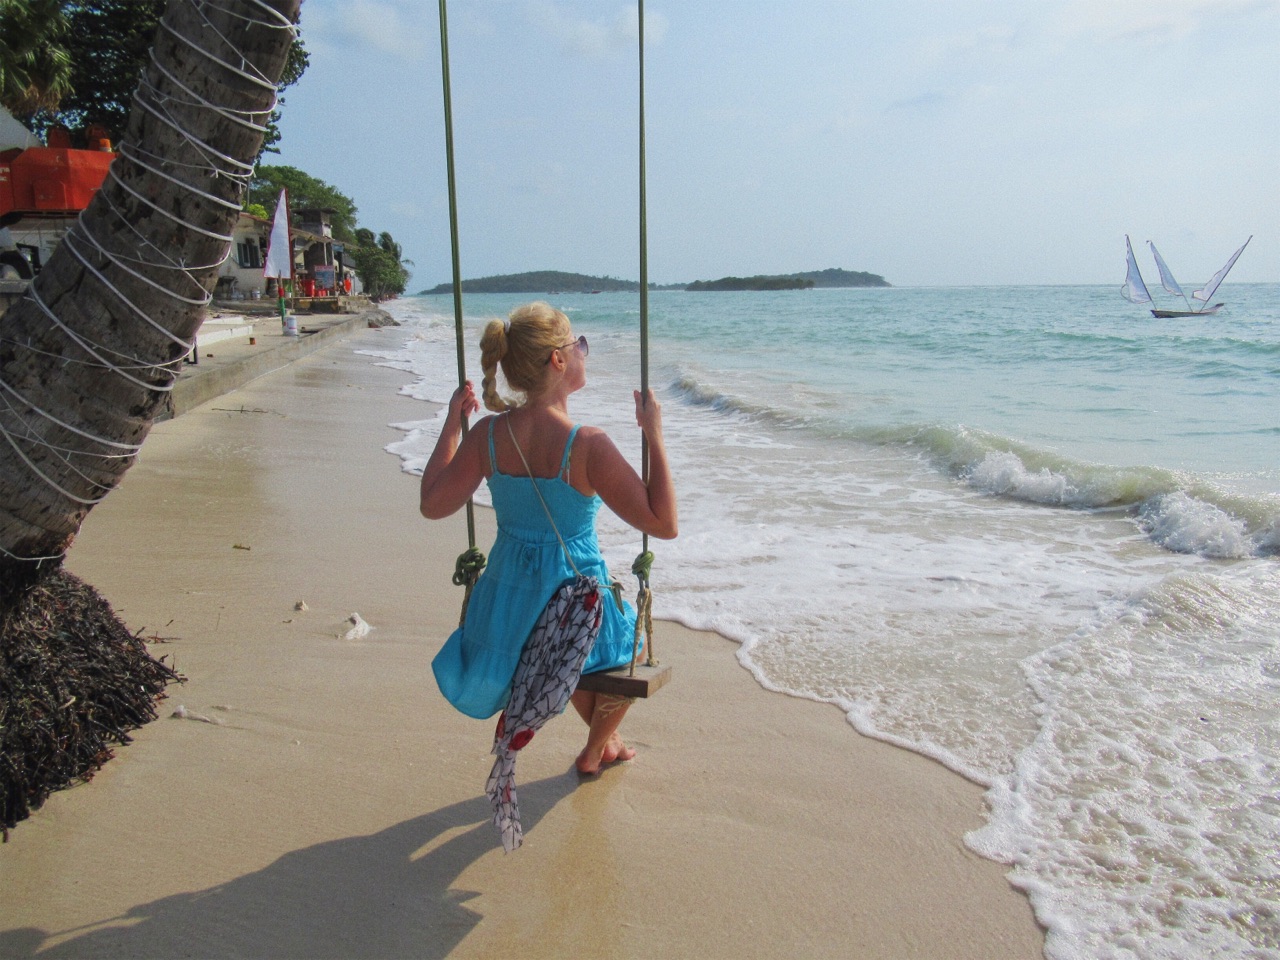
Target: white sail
[1166, 278]
[279, 261]
[1211, 287]
[1134, 290]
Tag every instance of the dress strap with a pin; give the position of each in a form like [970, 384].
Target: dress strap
[493, 458]
[568, 448]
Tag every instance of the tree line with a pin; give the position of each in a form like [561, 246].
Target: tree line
[831, 277]
[75, 65]
[751, 283]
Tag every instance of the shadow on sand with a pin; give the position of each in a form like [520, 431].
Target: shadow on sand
[363, 896]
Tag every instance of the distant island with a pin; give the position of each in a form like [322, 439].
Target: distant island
[557, 282]
[832, 277]
[540, 281]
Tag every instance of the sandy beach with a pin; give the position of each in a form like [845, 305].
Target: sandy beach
[320, 799]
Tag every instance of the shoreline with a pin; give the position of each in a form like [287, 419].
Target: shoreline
[335, 807]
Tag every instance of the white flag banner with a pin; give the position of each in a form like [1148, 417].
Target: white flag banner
[279, 250]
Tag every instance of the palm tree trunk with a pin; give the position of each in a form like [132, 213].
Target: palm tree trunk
[87, 358]
[86, 362]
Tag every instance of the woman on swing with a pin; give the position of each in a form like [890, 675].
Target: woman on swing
[577, 468]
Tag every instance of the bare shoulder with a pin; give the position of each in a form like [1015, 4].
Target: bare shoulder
[595, 459]
[476, 443]
[484, 422]
[478, 432]
[593, 440]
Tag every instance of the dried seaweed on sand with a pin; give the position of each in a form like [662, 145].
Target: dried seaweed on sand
[73, 683]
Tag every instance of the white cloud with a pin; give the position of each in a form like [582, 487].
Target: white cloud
[371, 24]
[596, 39]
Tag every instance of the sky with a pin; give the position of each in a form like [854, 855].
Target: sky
[933, 142]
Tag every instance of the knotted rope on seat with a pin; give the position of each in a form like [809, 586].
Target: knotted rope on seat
[465, 574]
[642, 567]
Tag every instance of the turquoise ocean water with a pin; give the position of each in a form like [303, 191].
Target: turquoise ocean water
[1031, 532]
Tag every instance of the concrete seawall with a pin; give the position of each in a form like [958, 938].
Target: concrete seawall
[230, 364]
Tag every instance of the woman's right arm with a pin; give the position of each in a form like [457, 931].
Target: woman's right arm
[455, 470]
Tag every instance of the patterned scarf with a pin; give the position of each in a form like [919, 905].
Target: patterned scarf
[547, 674]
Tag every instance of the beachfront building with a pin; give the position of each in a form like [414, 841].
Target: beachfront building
[317, 257]
[318, 274]
[240, 276]
[324, 264]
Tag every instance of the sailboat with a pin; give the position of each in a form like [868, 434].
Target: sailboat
[1135, 290]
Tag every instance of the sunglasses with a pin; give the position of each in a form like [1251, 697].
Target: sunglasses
[580, 343]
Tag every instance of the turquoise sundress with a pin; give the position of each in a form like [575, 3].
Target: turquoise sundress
[526, 566]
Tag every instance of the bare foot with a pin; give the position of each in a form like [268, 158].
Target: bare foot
[616, 750]
[586, 765]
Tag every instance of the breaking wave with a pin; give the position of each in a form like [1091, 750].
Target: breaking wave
[1176, 510]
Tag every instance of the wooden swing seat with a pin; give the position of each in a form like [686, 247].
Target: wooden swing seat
[621, 682]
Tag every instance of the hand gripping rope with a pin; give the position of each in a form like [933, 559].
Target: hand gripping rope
[471, 562]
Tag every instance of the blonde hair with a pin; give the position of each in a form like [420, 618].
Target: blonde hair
[522, 346]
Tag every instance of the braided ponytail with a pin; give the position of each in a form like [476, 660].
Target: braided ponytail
[521, 346]
[493, 348]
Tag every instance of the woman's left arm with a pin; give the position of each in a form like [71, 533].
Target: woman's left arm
[651, 507]
[455, 470]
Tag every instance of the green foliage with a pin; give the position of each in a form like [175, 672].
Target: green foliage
[109, 46]
[752, 283]
[388, 245]
[35, 65]
[379, 266]
[539, 281]
[832, 277]
[257, 210]
[835, 277]
[109, 42]
[305, 192]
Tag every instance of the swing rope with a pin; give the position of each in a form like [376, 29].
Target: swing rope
[467, 570]
[472, 561]
[644, 562]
